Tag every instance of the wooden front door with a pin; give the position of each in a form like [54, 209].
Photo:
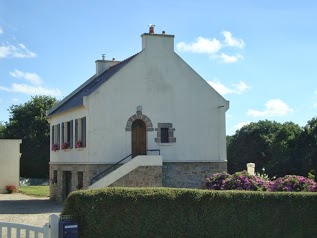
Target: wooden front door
[138, 138]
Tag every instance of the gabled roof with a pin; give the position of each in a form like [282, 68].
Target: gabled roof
[75, 99]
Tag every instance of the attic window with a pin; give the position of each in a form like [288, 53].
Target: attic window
[165, 133]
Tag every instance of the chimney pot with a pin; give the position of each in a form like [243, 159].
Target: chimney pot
[113, 59]
[163, 32]
[151, 30]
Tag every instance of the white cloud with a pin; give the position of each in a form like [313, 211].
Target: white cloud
[31, 90]
[214, 46]
[241, 124]
[273, 107]
[20, 51]
[231, 41]
[239, 88]
[230, 58]
[201, 45]
[31, 77]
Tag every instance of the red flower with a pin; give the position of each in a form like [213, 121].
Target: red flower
[54, 147]
[79, 144]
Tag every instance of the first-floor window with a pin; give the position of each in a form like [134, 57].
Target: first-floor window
[67, 135]
[55, 137]
[80, 132]
[165, 133]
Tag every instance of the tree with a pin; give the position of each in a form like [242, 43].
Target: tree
[268, 144]
[2, 128]
[307, 147]
[28, 122]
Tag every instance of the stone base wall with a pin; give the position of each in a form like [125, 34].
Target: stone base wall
[176, 174]
[57, 192]
[145, 176]
[190, 174]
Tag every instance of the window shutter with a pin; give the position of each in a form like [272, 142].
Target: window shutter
[76, 130]
[53, 135]
[83, 133]
[58, 142]
[63, 132]
[71, 142]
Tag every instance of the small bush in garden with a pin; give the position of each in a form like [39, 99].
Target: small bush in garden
[217, 181]
[245, 181]
[237, 181]
[292, 183]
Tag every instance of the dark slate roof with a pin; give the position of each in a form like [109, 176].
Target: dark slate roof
[75, 99]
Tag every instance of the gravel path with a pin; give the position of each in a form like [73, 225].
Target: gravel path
[20, 208]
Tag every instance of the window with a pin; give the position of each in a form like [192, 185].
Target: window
[67, 135]
[80, 132]
[165, 133]
[54, 180]
[55, 137]
[80, 177]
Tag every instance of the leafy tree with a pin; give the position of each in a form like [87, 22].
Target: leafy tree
[268, 144]
[307, 147]
[2, 128]
[28, 122]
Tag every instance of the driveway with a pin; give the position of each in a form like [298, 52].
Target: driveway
[20, 208]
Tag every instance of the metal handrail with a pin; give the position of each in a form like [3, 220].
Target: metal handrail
[105, 172]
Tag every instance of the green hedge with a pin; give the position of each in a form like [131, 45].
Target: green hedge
[166, 212]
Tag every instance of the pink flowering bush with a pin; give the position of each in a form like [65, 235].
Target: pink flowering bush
[245, 181]
[238, 181]
[292, 183]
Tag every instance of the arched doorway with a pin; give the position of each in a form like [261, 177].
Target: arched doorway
[138, 138]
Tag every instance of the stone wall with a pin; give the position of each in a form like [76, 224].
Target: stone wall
[145, 176]
[176, 174]
[190, 174]
[57, 191]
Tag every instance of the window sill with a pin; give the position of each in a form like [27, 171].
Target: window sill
[80, 148]
[165, 144]
[66, 150]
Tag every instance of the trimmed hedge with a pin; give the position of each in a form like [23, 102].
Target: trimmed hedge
[167, 212]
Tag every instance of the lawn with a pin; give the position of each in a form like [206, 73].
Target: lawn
[38, 191]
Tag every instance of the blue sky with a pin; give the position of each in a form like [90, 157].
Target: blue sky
[260, 55]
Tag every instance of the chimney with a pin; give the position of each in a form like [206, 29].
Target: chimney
[151, 30]
[159, 43]
[103, 64]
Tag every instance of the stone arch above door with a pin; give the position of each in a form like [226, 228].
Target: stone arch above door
[139, 115]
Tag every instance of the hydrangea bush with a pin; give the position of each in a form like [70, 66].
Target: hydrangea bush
[292, 183]
[245, 181]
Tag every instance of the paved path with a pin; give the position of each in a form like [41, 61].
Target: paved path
[20, 208]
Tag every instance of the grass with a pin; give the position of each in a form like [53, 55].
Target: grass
[37, 191]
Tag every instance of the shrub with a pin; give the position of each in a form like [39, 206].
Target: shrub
[164, 212]
[245, 181]
[292, 183]
[238, 181]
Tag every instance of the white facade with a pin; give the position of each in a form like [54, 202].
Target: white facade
[169, 91]
[151, 104]
[10, 163]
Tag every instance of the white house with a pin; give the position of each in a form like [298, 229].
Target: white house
[152, 107]
[9, 163]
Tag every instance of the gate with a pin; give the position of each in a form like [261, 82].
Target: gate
[15, 230]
